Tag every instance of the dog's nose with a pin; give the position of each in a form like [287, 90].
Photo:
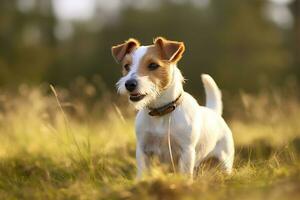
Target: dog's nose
[131, 85]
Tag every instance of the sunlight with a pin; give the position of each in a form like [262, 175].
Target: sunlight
[74, 9]
[282, 1]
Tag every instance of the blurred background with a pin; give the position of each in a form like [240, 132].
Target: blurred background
[247, 46]
[68, 142]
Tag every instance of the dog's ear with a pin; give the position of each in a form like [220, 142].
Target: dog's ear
[119, 51]
[171, 50]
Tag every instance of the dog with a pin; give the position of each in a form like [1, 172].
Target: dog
[168, 114]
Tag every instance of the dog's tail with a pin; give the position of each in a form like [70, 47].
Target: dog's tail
[213, 94]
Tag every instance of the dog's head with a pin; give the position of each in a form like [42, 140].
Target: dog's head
[147, 70]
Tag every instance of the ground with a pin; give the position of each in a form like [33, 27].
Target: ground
[47, 153]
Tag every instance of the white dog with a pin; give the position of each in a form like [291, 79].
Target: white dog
[170, 123]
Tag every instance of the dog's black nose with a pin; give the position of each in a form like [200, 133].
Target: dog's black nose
[131, 85]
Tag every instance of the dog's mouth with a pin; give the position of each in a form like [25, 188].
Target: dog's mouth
[136, 96]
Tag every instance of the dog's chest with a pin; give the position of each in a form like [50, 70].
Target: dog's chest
[152, 143]
[155, 140]
[157, 145]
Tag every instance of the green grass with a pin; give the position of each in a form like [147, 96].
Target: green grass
[43, 156]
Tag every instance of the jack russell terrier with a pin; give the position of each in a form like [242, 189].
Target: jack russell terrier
[154, 85]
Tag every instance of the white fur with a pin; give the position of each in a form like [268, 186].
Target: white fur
[136, 57]
[145, 86]
[197, 132]
[213, 94]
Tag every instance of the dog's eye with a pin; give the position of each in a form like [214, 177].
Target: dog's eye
[126, 67]
[153, 66]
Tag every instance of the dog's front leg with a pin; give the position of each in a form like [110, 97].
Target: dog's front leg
[187, 161]
[142, 162]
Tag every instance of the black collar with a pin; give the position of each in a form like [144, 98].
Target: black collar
[166, 108]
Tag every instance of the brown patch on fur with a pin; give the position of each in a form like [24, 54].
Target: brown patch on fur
[160, 76]
[121, 50]
[171, 50]
[126, 60]
[164, 53]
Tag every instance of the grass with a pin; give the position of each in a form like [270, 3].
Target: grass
[45, 156]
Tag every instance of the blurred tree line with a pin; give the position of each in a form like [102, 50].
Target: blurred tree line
[232, 40]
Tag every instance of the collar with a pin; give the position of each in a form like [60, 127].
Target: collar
[170, 107]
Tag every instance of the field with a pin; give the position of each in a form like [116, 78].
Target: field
[53, 149]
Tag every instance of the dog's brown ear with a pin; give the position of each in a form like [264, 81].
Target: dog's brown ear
[119, 51]
[171, 50]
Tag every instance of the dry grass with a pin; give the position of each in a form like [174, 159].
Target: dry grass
[46, 156]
